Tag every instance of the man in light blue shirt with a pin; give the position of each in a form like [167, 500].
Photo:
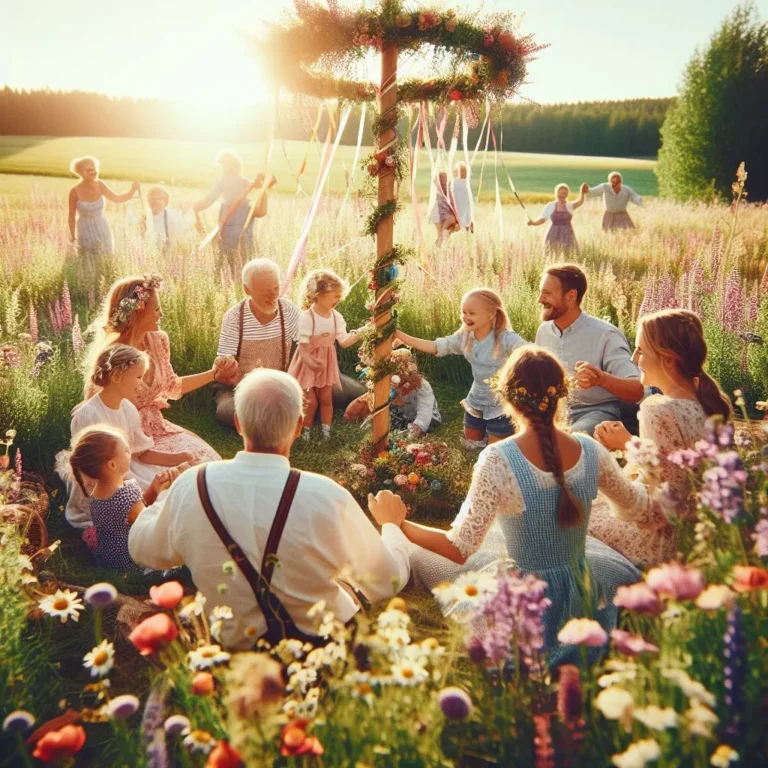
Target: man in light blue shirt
[592, 351]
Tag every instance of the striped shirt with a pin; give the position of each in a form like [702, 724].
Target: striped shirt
[253, 330]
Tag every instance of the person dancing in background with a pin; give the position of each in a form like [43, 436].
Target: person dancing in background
[236, 232]
[88, 226]
[462, 196]
[616, 196]
[560, 236]
[443, 214]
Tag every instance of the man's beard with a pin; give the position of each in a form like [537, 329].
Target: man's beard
[552, 312]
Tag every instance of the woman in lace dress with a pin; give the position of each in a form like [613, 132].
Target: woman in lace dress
[670, 353]
[538, 486]
[88, 226]
[132, 315]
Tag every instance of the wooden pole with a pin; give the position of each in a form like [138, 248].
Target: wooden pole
[385, 236]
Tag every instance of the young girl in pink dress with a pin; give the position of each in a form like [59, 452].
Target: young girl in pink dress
[315, 365]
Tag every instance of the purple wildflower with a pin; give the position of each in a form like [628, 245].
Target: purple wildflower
[723, 490]
[734, 673]
[648, 303]
[760, 535]
[732, 308]
[665, 293]
[455, 703]
[91, 297]
[686, 458]
[152, 728]
[34, 329]
[716, 253]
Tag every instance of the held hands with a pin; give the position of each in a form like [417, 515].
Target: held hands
[387, 507]
[135, 186]
[613, 435]
[588, 375]
[162, 480]
[584, 188]
[225, 369]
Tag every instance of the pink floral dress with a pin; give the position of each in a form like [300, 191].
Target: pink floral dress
[648, 537]
[161, 384]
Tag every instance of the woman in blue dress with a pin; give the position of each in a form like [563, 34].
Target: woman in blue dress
[534, 493]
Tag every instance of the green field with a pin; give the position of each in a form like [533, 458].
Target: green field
[190, 164]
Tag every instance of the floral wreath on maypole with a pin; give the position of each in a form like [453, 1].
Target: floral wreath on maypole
[313, 53]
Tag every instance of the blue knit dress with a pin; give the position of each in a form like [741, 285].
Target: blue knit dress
[582, 580]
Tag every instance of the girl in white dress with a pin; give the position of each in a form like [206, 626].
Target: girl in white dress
[117, 372]
[670, 353]
[88, 226]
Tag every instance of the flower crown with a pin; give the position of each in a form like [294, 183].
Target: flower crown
[542, 403]
[108, 367]
[134, 301]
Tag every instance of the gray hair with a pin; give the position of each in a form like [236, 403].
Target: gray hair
[615, 173]
[259, 267]
[268, 405]
[76, 165]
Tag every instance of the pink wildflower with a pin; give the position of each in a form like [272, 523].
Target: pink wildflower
[582, 632]
[639, 598]
[77, 335]
[676, 581]
[631, 645]
[66, 305]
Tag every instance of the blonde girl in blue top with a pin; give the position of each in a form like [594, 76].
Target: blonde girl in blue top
[486, 340]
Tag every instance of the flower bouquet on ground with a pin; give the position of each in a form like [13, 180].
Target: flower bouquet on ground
[427, 475]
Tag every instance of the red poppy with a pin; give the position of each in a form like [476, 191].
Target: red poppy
[224, 755]
[62, 743]
[167, 595]
[749, 578]
[153, 633]
[456, 95]
[294, 740]
[202, 684]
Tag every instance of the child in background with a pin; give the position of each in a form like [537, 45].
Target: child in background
[486, 340]
[168, 225]
[101, 455]
[414, 406]
[462, 196]
[315, 364]
[117, 372]
[443, 214]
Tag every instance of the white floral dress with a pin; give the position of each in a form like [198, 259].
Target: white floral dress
[646, 536]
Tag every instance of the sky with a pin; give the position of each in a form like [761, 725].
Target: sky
[194, 50]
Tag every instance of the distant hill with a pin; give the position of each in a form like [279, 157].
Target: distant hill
[612, 128]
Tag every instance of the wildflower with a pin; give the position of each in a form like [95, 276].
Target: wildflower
[77, 335]
[569, 696]
[19, 720]
[470, 589]
[631, 645]
[715, 596]
[122, 707]
[255, 685]
[101, 659]
[455, 703]
[542, 741]
[409, 673]
[723, 488]
[202, 684]
[224, 755]
[294, 740]
[65, 604]
[193, 608]
[686, 458]
[723, 756]
[639, 598]
[363, 690]
[150, 635]
[638, 754]
[100, 595]
[700, 720]
[167, 595]
[301, 679]
[614, 703]
[655, 717]
[175, 724]
[734, 673]
[582, 632]
[318, 609]
[205, 656]
[676, 581]
[622, 676]
[199, 741]
[392, 619]
[64, 743]
[642, 452]
[693, 689]
[749, 578]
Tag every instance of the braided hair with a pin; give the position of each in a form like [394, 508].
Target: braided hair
[532, 382]
[92, 448]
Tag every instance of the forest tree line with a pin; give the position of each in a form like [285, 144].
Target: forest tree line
[611, 128]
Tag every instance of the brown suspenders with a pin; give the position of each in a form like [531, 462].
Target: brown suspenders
[282, 333]
[280, 625]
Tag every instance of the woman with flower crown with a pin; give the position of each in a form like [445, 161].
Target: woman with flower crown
[131, 315]
[531, 496]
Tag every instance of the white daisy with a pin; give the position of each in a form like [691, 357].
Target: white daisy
[100, 659]
[700, 720]
[194, 607]
[317, 609]
[393, 619]
[469, 590]
[693, 689]
[638, 754]
[222, 612]
[65, 604]
[206, 656]
[302, 680]
[28, 578]
[655, 717]
[198, 741]
[409, 673]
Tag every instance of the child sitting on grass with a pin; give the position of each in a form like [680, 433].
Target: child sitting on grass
[101, 455]
[413, 406]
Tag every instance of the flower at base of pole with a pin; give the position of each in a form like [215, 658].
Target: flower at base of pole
[455, 95]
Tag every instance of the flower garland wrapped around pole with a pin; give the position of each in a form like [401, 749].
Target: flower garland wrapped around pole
[384, 241]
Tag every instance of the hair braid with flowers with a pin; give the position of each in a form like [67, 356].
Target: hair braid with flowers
[533, 383]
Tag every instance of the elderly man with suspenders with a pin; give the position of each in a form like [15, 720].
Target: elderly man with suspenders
[259, 332]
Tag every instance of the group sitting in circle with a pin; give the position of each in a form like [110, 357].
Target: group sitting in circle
[545, 494]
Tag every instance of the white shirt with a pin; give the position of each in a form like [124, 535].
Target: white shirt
[326, 532]
[420, 406]
[615, 203]
[550, 209]
[312, 324]
[177, 226]
[462, 196]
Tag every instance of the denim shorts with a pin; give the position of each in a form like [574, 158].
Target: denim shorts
[501, 426]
